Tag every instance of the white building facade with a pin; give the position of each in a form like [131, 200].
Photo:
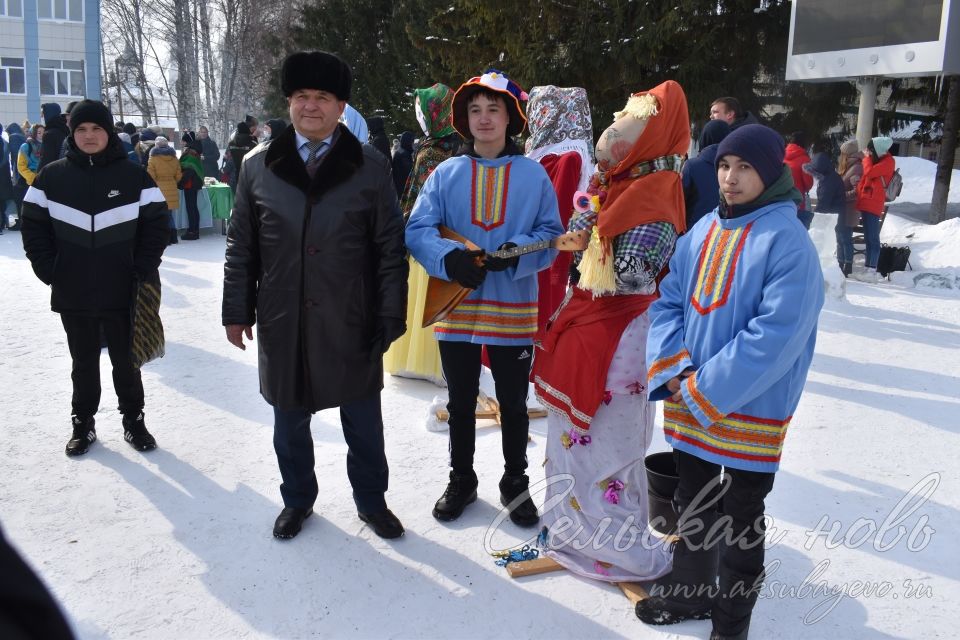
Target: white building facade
[49, 52]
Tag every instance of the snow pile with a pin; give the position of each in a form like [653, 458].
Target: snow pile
[934, 256]
[919, 176]
[825, 240]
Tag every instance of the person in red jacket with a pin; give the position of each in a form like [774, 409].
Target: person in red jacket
[796, 156]
[878, 168]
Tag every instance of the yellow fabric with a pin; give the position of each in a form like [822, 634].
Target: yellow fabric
[415, 354]
[24, 169]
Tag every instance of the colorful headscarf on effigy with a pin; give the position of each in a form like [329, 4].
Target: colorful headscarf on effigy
[559, 121]
[644, 186]
[433, 106]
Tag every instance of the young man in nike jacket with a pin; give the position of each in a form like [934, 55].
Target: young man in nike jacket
[94, 224]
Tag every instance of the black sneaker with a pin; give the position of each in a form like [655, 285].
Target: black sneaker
[460, 491]
[83, 436]
[514, 494]
[135, 432]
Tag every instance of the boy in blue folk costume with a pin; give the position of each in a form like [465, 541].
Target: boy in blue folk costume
[730, 343]
[496, 198]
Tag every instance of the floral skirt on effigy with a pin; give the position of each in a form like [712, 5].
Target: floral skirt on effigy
[596, 508]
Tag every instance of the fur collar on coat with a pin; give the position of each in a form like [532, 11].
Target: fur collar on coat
[338, 165]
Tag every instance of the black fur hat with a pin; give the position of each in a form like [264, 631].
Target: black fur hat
[316, 70]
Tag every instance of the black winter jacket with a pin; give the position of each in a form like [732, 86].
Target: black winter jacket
[315, 263]
[54, 134]
[91, 226]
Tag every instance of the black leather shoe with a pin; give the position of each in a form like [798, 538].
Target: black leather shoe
[190, 235]
[290, 521]
[514, 491]
[83, 436]
[460, 491]
[383, 523]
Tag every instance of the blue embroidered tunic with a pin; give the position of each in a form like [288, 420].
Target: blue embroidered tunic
[489, 202]
[740, 307]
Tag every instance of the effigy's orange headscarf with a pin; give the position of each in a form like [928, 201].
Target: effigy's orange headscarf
[630, 197]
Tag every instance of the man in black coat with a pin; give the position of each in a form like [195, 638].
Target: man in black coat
[94, 225]
[315, 258]
[54, 134]
[403, 162]
[211, 153]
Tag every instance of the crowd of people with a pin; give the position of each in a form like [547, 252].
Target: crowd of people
[690, 282]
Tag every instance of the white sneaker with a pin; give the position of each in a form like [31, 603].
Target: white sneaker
[867, 275]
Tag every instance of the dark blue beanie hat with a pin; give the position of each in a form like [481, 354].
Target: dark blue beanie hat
[713, 133]
[761, 146]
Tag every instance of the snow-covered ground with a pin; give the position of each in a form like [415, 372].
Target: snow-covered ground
[176, 543]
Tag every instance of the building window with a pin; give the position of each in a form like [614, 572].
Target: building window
[11, 8]
[71, 10]
[61, 78]
[11, 76]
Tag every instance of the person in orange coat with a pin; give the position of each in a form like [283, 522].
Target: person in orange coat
[164, 167]
[878, 168]
[796, 156]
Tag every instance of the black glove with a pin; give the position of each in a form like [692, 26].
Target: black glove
[462, 266]
[499, 264]
[388, 330]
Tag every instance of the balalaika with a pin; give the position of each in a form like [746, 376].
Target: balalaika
[443, 296]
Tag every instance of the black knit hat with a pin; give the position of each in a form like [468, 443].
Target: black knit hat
[316, 70]
[130, 128]
[761, 146]
[91, 111]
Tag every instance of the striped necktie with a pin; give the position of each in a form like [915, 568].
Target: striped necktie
[313, 158]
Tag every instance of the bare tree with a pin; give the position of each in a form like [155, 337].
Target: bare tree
[125, 43]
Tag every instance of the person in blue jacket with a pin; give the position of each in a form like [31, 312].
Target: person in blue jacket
[731, 340]
[701, 191]
[497, 199]
[831, 198]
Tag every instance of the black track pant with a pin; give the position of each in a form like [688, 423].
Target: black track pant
[511, 371]
[83, 338]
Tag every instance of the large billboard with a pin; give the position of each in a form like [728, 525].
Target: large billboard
[840, 39]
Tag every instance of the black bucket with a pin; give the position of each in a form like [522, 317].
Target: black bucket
[662, 480]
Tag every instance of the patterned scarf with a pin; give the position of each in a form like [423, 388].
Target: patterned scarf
[559, 121]
[555, 114]
[433, 106]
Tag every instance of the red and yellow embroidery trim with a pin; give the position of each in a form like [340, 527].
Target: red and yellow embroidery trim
[717, 267]
[702, 403]
[488, 195]
[737, 435]
[663, 364]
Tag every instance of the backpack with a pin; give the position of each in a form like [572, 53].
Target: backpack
[893, 259]
[893, 188]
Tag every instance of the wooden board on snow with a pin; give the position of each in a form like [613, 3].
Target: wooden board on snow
[634, 591]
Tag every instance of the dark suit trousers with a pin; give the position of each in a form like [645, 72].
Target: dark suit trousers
[367, 469]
